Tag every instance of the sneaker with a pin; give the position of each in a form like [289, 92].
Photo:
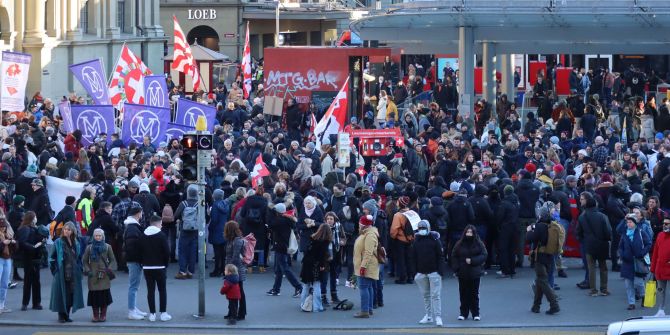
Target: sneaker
[337, 282]
[593, 293]
[273, 293]
[165, 317]
[461, 318]
[362, 315]
[132, 315]
[189, 275]
[631, 307]
[13, 285]
[298, 292]
[583, 285]
[562, 274]
[552, 311]
[604, 293]
[138, 311]
[438, 321]
[5, 310]
[152, 317]
[426, 319]
[477, 318]
[660, 313]
[181, 275]
[348, 284]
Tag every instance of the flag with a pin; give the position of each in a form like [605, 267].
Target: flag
[66, 114]
[13, 80]
[140, 121]
[188, 111]
[246, 65]
[127, 76]
[92, 120]
[156, 91]
[92, 76]
[335, 117]
[183, 60]
[312, 123]
[175, 130]
[260, 171]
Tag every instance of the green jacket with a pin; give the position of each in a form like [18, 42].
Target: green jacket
[93, 268]
[58, 292]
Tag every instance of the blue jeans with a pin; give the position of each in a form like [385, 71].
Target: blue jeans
[582, 251]
[379, 287]
[188, 252]
[281, 269]
[261, 258]
[634, 286]
[5, 271]
[366, 286]
[317, 304]
[134, 279]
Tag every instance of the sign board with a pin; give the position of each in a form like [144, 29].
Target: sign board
[202, 14]
[273, 105]
[343, 150]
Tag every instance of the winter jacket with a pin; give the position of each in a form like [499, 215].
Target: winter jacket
[219, 216]
[234, 250]
[306, 232]
[437, 216]
[397, 231]
[660, 258]
[528, 194]
[558, 196]
[94, 267]
[428, 254]
[594, 232]
[461, 214]
[259, 206]
[481, 207]
[150, 206]
[231, 287]
[629, 250]
[103, 221]
[365, 253]
[316, 258]
[155, 250]
[473, 249]
[508, 212]
[281, 225]
[132, 238]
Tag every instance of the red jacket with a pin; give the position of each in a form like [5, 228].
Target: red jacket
[660, 258]
[231, 288]
[72, 145]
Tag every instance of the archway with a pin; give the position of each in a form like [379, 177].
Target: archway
[6, 24]
[205, 35]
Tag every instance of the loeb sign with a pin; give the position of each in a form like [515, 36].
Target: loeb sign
[202, 14]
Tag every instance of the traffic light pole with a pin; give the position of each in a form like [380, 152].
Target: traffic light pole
[204, 161]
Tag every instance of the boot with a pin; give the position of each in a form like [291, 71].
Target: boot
[334, 298]
[103, 314]
[324, 301]
[96, 314]
[261, 269]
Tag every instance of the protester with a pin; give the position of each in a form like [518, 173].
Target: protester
[98, 260]
[428, 256]
[595, 232]
[281, 225]
[155, 258]
[634, 245]
[468, 257]
[32, 249]
[187, 216]
[660, 267]
[66, 266]
[132, 247]
[546, 235]
[366, 263]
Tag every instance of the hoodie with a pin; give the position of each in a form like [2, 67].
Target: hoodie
[132, 238]
[155, 249]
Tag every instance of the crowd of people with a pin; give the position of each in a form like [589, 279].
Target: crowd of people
[461, 196]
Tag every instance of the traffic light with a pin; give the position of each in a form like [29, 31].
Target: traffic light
[189, 157]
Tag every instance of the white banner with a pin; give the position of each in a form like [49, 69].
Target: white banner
[58, 189]
[14, 77]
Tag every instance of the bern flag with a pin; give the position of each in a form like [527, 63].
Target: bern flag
[140, 121]
[92, 76]
[155, 91]
[188, 112]
[93, 120]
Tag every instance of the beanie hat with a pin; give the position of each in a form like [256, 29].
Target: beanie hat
[366, 220]
[280, 208]
[37, 182]
[133, 184]
[605, 178]
[530, 167]
[558, 168]
[631, 217]
[524, 174]
[508, 190]
[144, 188]
[545, 211]
[436, 201]
[218, 194]
[388, 187]
[403, 202]
[53, 161]
[19, 199]
[454, 186]
[423, 224]
[554, 140]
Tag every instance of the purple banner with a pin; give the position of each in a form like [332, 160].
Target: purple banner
[188, 112]
[156, 92]
[93, 120]
[66, 115]
[140, 121]
[175, 130]
[91, 75]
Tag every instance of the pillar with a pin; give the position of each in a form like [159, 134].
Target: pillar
[35, 32]
[73, 30]
[507, 73]
[111, 28]
[54, 18]
[489, 73]
[466, 66]
[150, 18]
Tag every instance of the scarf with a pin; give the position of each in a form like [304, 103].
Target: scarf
[630, 233]
[336, 236]
[97, 249]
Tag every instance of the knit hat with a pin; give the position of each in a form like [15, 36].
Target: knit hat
[545, 211]
[524, 174]
[144, 188]
[605, 178]
[53, 161]
[554, 140]
[280, 208]
[508, 190]
[133, 184]
[388, 187]
[631, 217]
[366, 220]
[310, 146]
[454, 186]
[19, 199]
[436, 201]
[403, 202]
[558, 168]
[659, 136]
[570, 179]
[423, 224]
[37, 182]
[218, 194]
[530, 167]
[583, 153]
[32, 168]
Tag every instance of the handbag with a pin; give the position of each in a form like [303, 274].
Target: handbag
[641, 267]
[292, 244]
[650, 294]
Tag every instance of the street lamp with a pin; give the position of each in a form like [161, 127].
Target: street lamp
[277, 24]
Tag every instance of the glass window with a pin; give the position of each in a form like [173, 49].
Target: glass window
[83, 18]
[121, 15]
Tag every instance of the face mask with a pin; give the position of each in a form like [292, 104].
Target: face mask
[422, 232]
[469, 237]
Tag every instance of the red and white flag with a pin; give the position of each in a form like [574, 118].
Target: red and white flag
[260, 171]
[246, 66]
[312, 123]
[183, 60]
[335, 118]
[127, 79]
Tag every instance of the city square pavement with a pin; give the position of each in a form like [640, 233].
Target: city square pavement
[505, 303]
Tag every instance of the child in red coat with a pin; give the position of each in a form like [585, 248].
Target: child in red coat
[231, 288]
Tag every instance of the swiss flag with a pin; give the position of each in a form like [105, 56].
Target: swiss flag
[335, 118]
[260, 171]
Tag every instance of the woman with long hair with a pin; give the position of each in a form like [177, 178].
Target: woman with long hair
[467, 259]
[8, 246]
[314, 264]
[32, 248]
[234, 250]
[98, 261]
[66, 267]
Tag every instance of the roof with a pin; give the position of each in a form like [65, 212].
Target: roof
[203, 54]
[525, 26]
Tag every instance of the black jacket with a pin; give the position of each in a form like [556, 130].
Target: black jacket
[558, 196]
[427, 254]
[150, 206]
[528, 194]
[461, 214]
[508, 212]
[481, 207]
[132, 238]
[473, 249]
[103, 221]
[281, 227]
[259, 205]
[154, 247]
[41, 206]
[594, 232]
[539, 237]
[438, 217]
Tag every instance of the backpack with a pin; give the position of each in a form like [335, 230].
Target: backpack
[189, 217]
[555, 231]
[168, 214]
[248, 249]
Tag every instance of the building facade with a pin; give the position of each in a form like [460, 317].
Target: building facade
[58, 33]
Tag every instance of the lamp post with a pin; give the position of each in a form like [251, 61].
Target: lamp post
[277, 24]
